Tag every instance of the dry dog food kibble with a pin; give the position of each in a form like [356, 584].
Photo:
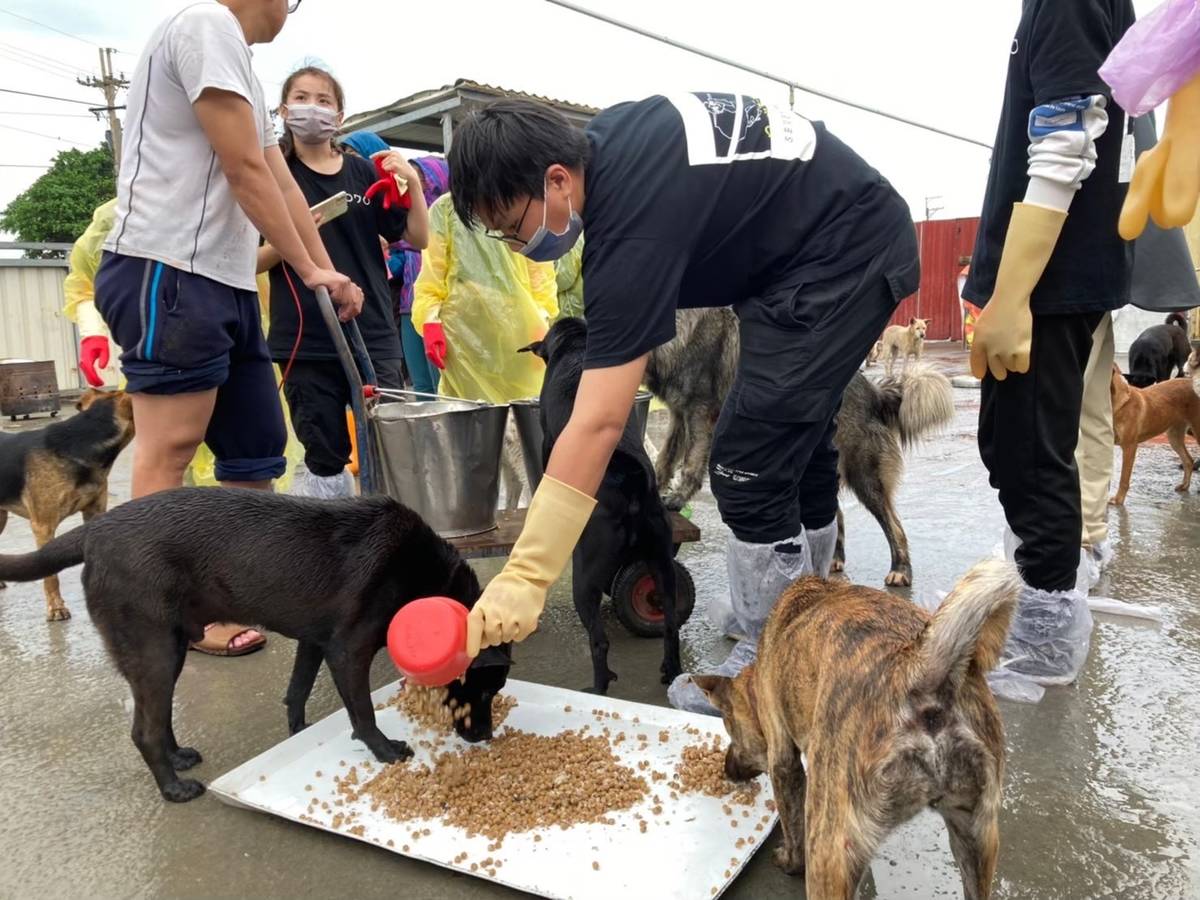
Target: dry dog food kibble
[516, 783]
[428, 707]
[701, 770]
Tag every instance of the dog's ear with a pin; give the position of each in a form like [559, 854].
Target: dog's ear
[715, 687]
[912, 321]
[87, 398]
[536, 348]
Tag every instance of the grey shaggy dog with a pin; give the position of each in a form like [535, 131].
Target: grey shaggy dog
[692, 373]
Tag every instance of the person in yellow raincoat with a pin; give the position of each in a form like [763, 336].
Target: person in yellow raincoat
[476, 304]
[568, 272]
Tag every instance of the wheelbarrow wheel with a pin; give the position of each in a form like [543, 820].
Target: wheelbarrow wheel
[638, 605]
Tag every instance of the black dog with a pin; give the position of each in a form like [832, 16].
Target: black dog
[629, 523]
[1158, 350]
[330, 574]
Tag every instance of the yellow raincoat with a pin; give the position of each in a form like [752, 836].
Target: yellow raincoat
[568, 272]
[490, 301]
[79, 293]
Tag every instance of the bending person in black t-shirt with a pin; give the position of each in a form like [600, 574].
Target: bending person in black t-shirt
[315, 385]
[1049, 282]
[704, 199]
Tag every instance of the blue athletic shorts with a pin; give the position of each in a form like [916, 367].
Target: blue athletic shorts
[182, 333]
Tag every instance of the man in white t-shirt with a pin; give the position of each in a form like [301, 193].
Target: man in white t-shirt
[201, 179]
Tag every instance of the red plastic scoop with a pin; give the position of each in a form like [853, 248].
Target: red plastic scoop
[427, 641]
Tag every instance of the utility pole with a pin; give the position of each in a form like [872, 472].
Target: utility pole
[109, 83]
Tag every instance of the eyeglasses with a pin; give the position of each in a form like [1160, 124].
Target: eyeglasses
[293, 6]
[512, 238]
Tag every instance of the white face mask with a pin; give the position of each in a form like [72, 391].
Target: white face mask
[311, 124]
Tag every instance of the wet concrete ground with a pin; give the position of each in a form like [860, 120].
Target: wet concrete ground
[1102, 795]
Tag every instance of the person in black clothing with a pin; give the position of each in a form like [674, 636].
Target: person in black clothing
[1049, 281]
[700, 199]
[314, 383]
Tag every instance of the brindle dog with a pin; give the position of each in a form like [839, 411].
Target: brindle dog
[892, 711]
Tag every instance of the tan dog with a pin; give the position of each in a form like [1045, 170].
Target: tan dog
[891, 709]
[1140, 414]
[903, 341]
[54, 472]
[873, 356]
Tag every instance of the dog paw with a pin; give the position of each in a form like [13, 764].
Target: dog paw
[58, 614]
[184, 758]
[182, 790]
[898, 578]
[1181, 489]
[791, 863]
[838, 565]
[393, 751]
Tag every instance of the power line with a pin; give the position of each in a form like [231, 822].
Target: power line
[23, 112]
[76, 37]
[4, 90]
[41, 135]
[46, 70]
[23, 166]
[791, 85]
[41, 58]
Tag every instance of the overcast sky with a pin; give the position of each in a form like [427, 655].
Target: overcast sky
[939, 61]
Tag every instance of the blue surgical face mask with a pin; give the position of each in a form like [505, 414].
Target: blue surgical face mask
[545, 245]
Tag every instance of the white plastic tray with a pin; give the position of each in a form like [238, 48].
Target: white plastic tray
[685, 852]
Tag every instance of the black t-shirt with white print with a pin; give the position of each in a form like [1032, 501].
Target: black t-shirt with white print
[708, 199]
[1058, 48]
[352, 241]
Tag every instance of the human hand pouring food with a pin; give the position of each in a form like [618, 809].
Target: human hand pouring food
[511, 604]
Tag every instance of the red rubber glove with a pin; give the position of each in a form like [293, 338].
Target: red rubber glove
[435, 343]
[93, 354]
[389, 187]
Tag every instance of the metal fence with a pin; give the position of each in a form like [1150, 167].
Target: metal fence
[32, 324]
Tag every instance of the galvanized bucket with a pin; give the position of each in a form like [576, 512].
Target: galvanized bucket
[527, 415]
[442, 459]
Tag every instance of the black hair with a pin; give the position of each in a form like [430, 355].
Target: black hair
[502, 152]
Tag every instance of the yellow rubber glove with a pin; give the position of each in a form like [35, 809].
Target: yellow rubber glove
[1166, 180]
[511, 604]
[1004, 332]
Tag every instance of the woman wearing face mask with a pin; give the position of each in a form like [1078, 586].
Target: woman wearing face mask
[317, 392]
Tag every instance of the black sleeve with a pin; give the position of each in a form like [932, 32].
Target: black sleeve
[630, 291]
[1068, 42]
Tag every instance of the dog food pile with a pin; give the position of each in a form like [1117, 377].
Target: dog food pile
[515, 783]
[428, 708]
[701, 770]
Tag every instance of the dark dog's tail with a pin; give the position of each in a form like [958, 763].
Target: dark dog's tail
[61, 553]
[971, 625]
[1177, 319]
[917, 403]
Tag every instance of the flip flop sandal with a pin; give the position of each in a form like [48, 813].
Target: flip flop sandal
[213, 646]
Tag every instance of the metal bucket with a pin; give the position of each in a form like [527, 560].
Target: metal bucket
[442, 459]
[527, 415]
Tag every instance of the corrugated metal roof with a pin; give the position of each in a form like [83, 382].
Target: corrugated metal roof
[433, 95]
